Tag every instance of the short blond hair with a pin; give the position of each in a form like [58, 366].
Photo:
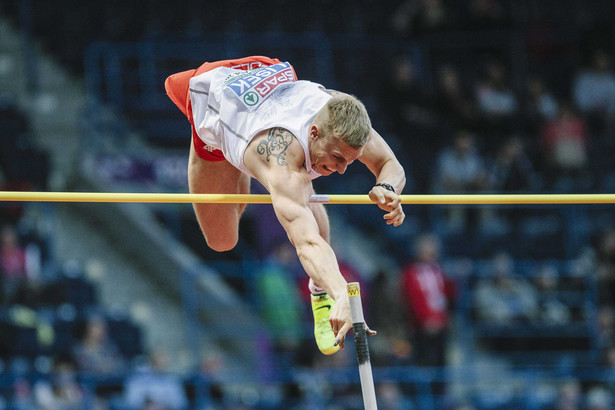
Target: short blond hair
[345, 117]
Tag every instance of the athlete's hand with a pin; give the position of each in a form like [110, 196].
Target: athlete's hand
[388, 201]
[341, 322]
[340, 319]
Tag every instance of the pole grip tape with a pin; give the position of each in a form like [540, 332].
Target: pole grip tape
[360, 342]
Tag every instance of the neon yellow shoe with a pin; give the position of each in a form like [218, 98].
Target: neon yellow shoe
[321, 307]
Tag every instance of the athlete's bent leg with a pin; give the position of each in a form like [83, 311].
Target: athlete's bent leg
[219, 222]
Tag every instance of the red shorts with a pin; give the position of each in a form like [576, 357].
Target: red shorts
[178, 90]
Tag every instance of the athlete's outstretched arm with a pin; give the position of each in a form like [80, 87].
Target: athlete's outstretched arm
[381, 161]
[276, 159]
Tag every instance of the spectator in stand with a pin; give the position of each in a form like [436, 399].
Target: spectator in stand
[496, 99]
[608, 366]
[512, 170]
[23, 269]
[570, 396]
[503, 297]
[605, 267]
[429, 295]
[61, 390]
[96, 353]
[454, 106]
[494, 95]
[541, 104]
[552, 309]
[407, 101]
[409, 111]
[385, 308]
[13, 273]
[594, 90]
[599, 398]
[390, 397]
[460, 166]
[277, 283]
[564, 144]
[606, 326]
[210, 375]
[608, 357]
[421, 16]
[486, 14]
[155, 388]
[461, 169]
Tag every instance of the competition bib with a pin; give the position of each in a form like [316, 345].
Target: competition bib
[252, 87]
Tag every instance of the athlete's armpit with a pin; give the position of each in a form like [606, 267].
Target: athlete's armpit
[275, 145]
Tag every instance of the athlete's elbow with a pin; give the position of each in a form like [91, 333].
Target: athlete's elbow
[402, 183]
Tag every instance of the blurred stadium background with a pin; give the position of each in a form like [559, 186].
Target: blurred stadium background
[121, 306]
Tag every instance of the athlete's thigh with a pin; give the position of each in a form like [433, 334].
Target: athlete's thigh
[219, 222]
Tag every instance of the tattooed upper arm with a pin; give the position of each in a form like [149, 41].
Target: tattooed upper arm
[274, 147]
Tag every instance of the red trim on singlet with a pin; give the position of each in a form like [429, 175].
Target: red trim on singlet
[178, 90]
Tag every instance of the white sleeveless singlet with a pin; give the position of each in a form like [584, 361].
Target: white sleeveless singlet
[230, 107]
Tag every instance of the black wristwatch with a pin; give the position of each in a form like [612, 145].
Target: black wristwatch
[386, 186]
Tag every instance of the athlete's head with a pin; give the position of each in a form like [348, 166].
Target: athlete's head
[339, 132]
[346, 118]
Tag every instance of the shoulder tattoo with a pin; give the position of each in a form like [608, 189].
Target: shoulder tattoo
[274, 146]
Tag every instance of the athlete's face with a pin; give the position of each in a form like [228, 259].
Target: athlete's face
[330, 154]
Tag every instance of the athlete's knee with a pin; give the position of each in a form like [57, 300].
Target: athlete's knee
[222, 243]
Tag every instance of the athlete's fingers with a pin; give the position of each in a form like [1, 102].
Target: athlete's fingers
[380, 198]
[341, 335]
[395, 217]
[394, 202]
[377, 195]
[336, 325]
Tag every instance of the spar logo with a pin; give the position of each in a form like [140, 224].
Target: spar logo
[250, 98]
[255, 85]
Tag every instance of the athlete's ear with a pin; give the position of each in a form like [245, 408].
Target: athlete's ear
[314, 132]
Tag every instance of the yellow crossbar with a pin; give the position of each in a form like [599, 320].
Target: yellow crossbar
[461, 199]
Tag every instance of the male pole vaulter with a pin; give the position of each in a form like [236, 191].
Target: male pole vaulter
[252, 118]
